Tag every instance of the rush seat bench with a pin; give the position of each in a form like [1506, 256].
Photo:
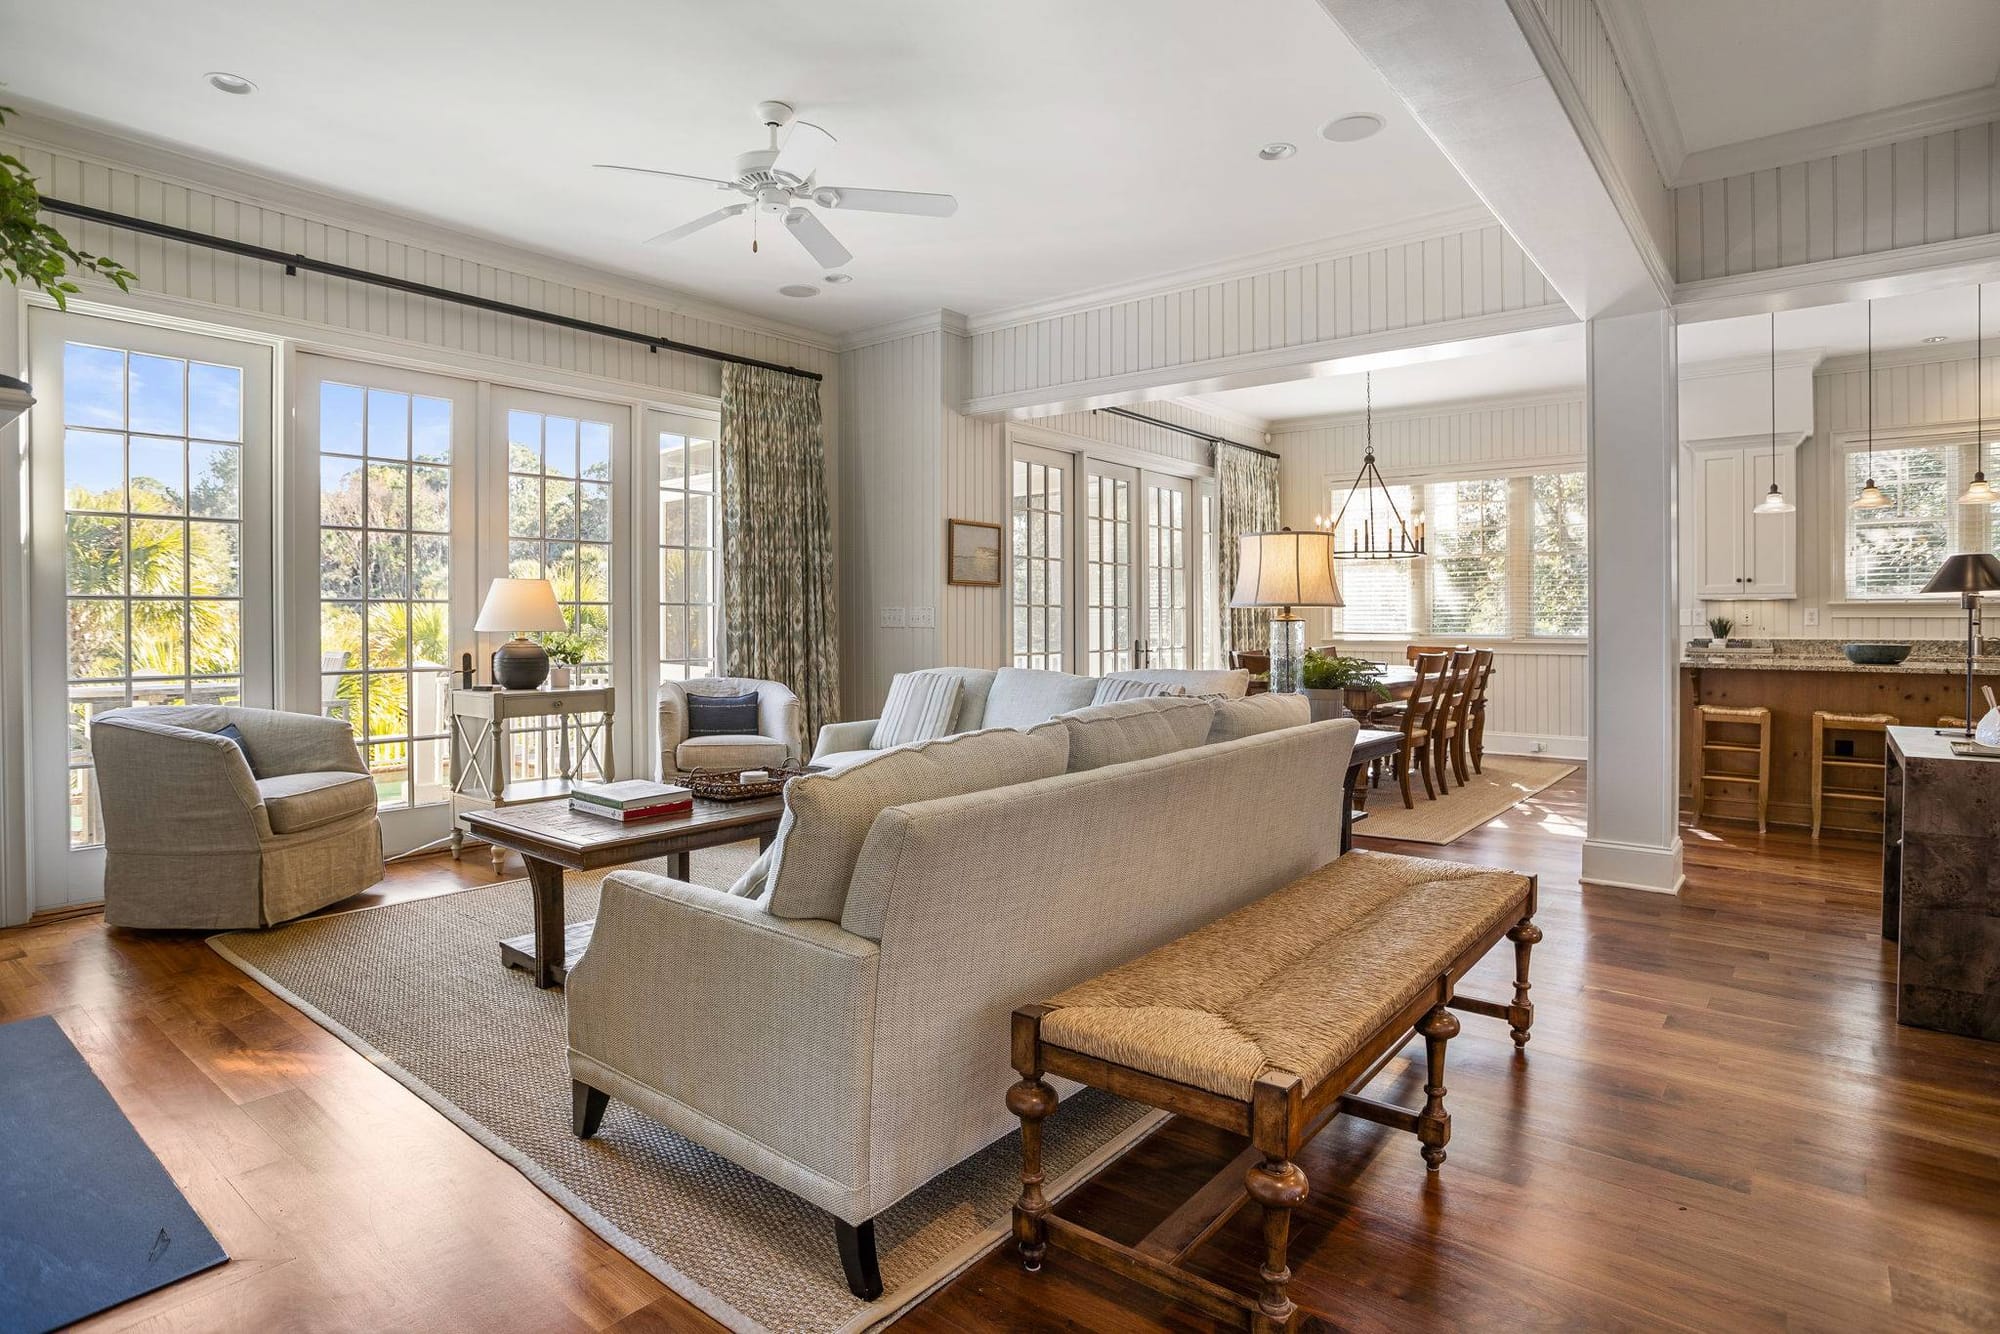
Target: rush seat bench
[1270, 1022]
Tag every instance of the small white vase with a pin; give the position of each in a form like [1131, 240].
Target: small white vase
[1988, 731]
[559, 676]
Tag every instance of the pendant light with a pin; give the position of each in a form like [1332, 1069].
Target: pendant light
[1980, 491]
[1394, 538]
[1870, 496]
[1774, 501]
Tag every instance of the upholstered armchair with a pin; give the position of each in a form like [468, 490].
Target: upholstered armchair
[203, 834]
[779, 738]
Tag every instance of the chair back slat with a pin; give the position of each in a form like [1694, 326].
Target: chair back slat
[1430, 669]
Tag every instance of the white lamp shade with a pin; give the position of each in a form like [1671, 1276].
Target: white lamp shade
[520, 604]
[1285, 569]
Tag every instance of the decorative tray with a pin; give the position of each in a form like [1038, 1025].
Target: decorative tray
[728, 784]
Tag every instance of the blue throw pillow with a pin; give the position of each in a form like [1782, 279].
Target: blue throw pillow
[722, 715]
[230, 732]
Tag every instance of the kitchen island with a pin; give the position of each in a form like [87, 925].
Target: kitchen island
[1793, 679]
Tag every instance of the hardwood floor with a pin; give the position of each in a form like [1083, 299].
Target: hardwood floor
[1718, 1125]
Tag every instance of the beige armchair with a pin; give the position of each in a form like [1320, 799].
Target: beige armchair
[195, 840]
[779, 739]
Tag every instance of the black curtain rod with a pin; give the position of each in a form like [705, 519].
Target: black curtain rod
[293, 263]
[1130, 415]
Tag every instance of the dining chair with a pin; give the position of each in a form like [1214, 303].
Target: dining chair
[1415, 749]
[1444, 711]
[1475, 738]
[1454, 735]
[1415, 651]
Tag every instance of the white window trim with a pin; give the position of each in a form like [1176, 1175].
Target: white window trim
[1971, 527]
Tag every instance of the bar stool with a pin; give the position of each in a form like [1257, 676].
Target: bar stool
[1842, 729]
[1728, 746]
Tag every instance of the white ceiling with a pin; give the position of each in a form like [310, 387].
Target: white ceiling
[1742, 69]
[1552, 362]
[1088, 144]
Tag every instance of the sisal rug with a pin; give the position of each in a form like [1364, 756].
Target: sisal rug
[418, 988]
[1508, 780]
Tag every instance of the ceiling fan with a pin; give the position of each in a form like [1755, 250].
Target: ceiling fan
[780, 181]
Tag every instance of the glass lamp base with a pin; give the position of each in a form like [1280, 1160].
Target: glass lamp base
[1288, 655]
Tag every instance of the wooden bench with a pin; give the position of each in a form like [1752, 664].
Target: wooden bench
[1270, 1022]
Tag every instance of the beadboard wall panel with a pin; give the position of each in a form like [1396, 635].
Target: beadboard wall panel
[1540, 692]
[1940, 187]
[1585, 49]
[1935, 392]
[1179, 336]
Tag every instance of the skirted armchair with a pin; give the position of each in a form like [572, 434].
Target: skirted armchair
[200, 834]
[779, 739]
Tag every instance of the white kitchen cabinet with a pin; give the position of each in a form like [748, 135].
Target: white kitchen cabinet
[1740, 554]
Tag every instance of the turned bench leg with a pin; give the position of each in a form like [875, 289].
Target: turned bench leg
[1032, 1101]
[1279, 1187]
[1521, 1014]
[1434, 1122]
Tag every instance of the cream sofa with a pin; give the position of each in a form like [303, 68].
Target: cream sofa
[1018, 697]
[844, 1033]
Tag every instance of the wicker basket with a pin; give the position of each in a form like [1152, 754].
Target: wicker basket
[728, 784]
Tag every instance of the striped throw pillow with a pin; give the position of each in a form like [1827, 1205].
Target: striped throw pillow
[921, 705]
[1112, 689]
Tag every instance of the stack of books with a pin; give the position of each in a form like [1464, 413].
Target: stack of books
[634, 799]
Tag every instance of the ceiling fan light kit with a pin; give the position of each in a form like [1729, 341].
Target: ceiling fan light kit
[781, 180]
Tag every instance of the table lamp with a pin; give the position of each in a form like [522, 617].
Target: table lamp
[520, 605]
[1286, 570]
[1968, 574]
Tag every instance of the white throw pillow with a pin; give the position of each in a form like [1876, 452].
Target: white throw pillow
[1111, 689]
[921, 705]
[1254, 715]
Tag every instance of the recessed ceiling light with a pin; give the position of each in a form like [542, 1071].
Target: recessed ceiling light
[233, 84]
[836, 279]
[1277, 151]
[797, 289]
[1351, 129]
[1937, 338]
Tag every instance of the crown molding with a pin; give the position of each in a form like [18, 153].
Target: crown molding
[1242, 421]
[1787, 439]
[1758, 363]
[1872, 129]
[1857, 362]
[934, 321]
[1441, 408]
[1638, 59]
[1832, 282]
[1423, 228]
[118, 150]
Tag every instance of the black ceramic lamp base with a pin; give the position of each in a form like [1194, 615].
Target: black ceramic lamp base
[520, 664]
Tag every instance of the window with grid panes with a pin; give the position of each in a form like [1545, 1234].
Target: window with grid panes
[1039, 567]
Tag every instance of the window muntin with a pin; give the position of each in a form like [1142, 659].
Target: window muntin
[1559, 559]
[689, 569]
[1039, 565]
[1166, 575]
[1108, 574]
[153, 552]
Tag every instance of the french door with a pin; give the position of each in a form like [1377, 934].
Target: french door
[1168, 590]
[383, 528]
[150, 560]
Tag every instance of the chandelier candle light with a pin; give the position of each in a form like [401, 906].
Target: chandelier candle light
[1286, 570]
[1394, 538]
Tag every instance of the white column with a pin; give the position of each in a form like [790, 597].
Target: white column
[1634, 788]
[14, 903]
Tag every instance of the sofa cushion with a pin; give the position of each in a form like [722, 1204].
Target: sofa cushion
[1223, 683]
[756, 878]
[729, 752]
[721, 715]
[921, 705]
[1111, 689]
[827, 816]
[295, 803]
[1253, 714]
[1021, 697]
[974, 685]
[1135, 729]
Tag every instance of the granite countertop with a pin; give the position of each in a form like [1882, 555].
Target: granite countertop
[1930, 657]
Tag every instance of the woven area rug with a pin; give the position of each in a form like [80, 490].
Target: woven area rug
[418, 988]
[1508, 780]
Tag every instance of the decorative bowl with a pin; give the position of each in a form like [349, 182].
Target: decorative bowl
[1875, 655]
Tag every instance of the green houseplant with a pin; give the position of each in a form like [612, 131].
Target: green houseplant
[1327, 677]
[1718, 629]
[31, 251]
[567, 651]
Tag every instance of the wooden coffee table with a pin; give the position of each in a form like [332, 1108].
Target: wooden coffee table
[551, 839]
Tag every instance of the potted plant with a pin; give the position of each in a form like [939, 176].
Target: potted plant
[1719, 628]
[566, 651]
[31, 251]
[1329, 676]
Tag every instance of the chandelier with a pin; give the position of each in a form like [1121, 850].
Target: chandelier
[1378, 531]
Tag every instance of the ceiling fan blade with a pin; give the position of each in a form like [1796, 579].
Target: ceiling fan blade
[886, 201]
[705, 220]
[655, 171]
[818, 241]
[803, 149]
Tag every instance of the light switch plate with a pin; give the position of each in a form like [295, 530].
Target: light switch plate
[1812, 616]
[892, 618]
[923, 618]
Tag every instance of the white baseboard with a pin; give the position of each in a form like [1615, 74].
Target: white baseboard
[1551, 747]
[1633, 866]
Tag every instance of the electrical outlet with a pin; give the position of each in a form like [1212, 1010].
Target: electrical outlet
[1538, 747]
[923, 618]
[892, 618]
[1812, 617]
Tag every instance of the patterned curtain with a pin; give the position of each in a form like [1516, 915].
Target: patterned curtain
[1246, 501]
[777, 543]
